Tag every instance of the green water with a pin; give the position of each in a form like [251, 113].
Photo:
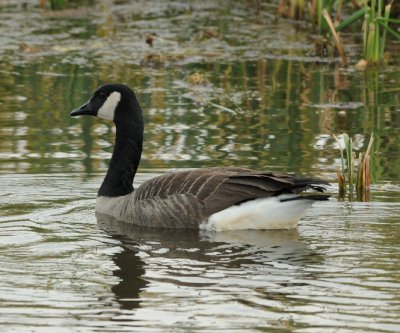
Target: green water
[262, 101]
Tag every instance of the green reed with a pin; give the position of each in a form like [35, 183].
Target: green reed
[347, 170]
[312, 9]
[376, 20]
[374, 15]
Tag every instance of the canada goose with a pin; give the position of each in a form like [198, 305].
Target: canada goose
[225, 198]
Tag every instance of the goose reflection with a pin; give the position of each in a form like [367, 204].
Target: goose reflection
[191, 258]
[130, 271]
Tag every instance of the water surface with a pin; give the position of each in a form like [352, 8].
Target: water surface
[223, 84]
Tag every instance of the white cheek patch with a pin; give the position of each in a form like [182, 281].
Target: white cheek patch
[107, 110]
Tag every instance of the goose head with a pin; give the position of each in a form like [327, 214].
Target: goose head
[118, 103]
[115, 102]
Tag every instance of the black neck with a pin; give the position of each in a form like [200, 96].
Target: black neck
[125, 159]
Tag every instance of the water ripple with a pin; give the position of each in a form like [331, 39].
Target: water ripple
[337, 273]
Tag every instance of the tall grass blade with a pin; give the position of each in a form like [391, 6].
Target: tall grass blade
[383, 23]
[390, 20]
[336, 37]
[341, 152]
[359, 182]
[340, 172]
[349, 150]
[394, 33]
[359, 14]
[370, 42]
[319, 15]
[366, 172]
[372, 10]
[371, 141]
[364, 176]
[341, 182]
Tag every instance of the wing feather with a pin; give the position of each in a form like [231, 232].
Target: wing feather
[215, 189]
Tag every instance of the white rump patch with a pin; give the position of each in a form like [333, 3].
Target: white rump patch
[265, 213]
[107, 110]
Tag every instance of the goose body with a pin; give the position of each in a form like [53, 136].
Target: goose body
[208, 198]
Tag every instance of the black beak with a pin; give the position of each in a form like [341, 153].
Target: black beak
[85, 109]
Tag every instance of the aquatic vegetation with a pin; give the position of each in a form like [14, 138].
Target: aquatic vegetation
[375, 16]
[363, 177]
[300, 9]
[376, 27]
[336, 37]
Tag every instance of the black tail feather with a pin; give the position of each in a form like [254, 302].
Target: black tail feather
[314, 197]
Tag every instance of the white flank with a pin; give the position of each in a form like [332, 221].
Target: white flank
[265, 213]
[107, 110]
